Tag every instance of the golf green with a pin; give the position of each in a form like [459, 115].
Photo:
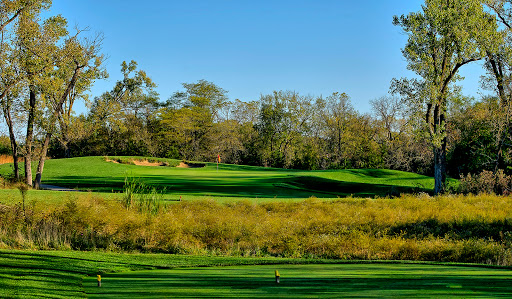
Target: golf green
[307, 281]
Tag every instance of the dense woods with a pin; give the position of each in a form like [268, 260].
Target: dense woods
[423, 124]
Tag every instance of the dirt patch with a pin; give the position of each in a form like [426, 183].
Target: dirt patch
[190, 165]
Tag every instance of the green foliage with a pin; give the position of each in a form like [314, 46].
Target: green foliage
[144, 198]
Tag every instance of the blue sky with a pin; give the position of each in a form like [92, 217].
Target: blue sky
[251, 47]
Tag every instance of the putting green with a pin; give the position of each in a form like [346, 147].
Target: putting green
[307, 281]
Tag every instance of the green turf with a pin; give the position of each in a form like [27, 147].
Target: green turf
[59, 274]
[72, 274]
[94, 173]
[306, 281]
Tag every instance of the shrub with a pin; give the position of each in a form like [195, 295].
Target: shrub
[139, 195]
[447, 228]
[486, 182]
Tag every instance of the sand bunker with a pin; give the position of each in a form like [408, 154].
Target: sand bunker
[138, 162]
[156, 163]
[190, 165]
[147, 163]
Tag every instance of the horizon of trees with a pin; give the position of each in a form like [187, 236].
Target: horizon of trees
[424, 124]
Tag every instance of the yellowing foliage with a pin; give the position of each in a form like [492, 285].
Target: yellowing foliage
[445, 228]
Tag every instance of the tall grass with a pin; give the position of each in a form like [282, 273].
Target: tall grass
[446, 228]
[144, 197]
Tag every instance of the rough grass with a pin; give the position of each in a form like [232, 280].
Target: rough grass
[474, 229]
[96, 174]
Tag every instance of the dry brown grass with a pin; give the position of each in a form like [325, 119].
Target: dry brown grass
[4, 159]
[8, 159]
[447, 228]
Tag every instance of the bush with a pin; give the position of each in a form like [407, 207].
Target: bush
[469, 228]
[486, 182]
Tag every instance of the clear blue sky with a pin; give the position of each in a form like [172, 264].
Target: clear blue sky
[252, 47]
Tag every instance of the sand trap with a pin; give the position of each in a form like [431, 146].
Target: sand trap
[190, 165]
[139, 162]
[147, 163]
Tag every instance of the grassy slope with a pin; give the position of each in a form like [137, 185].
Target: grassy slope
[93, 173]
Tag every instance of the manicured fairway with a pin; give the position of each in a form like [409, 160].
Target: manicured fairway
[94, 173]
[307, 281]
[59, 274]
[72, 274]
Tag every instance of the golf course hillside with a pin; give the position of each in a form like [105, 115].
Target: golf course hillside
[174, 178]
[160, 228]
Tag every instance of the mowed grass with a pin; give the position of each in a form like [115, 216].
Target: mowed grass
[59, 274]
[306, 281]
[72, 274]
[96, 174]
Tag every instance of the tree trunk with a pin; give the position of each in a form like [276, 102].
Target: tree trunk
[440, 168]
[40, 167]
[12, 138]
[30, 134]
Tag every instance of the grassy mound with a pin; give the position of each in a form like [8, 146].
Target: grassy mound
[97, 174]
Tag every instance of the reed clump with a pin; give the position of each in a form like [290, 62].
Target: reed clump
[450, 228]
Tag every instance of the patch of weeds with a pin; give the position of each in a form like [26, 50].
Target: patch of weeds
[138, 194]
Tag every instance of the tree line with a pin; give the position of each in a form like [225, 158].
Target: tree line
[424, 124]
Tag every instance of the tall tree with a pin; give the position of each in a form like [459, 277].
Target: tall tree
[11, 76]
[498, 64]
[337, 115]
[284, 118]
[123, 114]
[188, 120]
[78, 65]
[38, 42]
[443, 37]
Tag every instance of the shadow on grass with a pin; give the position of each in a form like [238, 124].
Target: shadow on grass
[343, 188]
[278, 186]
[497, 230]
[374, 173]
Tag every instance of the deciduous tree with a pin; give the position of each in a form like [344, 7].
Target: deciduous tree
[444, 36]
